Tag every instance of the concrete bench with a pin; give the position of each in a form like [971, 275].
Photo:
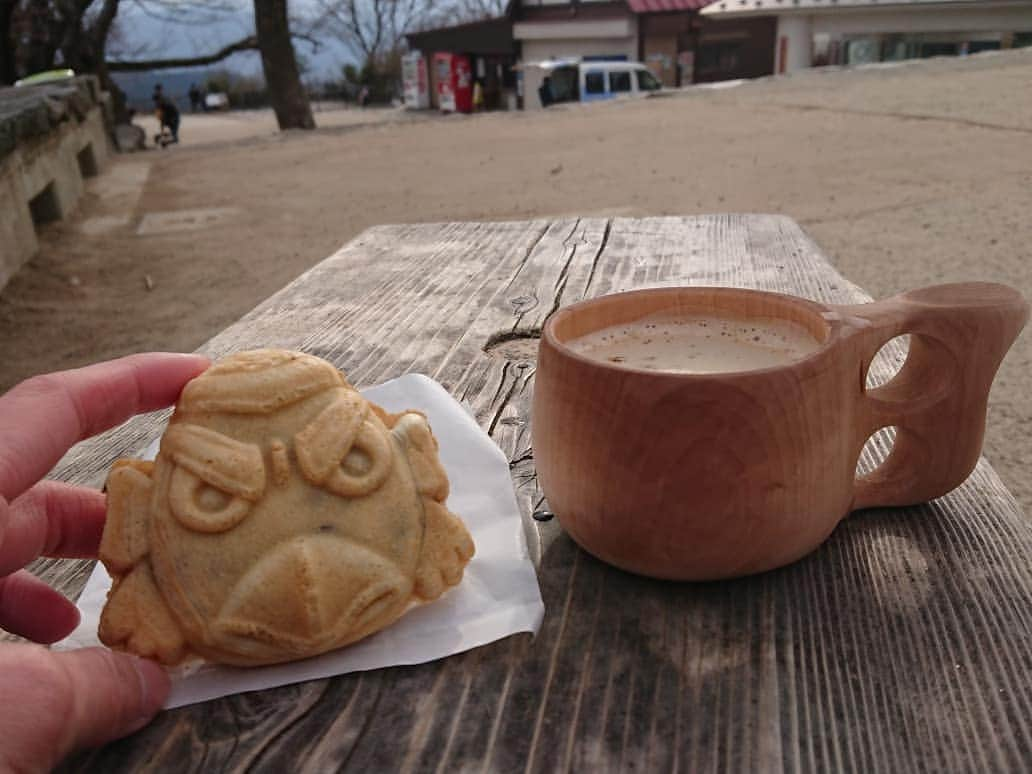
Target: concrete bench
[52, 137]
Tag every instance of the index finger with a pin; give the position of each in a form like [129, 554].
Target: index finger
[42, 417]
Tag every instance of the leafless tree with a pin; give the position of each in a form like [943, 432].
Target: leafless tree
[376, 28]
[282, 77]
[475, 10]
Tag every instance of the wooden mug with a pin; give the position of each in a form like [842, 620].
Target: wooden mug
[705, 476]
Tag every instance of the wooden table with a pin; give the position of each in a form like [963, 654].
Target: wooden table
[904, 644]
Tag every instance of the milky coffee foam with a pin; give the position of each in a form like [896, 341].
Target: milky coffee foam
[698, 344]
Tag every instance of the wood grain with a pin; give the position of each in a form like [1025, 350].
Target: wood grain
[903, 644]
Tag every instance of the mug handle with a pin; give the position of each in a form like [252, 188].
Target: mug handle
[959, 335]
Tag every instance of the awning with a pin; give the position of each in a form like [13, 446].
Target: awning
[482, 38]
[666, 6]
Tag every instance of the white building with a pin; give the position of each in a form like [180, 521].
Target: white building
[817, 32]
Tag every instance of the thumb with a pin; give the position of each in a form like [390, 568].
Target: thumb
[55, 703]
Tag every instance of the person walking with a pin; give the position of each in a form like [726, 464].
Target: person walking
[168, 117]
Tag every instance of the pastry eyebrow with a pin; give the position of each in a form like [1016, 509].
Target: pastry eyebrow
[324, 441]
[233, 466]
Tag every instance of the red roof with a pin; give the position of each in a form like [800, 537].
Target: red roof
[659, 6]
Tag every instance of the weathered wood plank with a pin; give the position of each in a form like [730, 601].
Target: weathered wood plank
[904, 643]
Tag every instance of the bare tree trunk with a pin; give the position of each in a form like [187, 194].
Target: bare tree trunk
[286, 93]
[96, 37]
[44, 35]
[8, 75]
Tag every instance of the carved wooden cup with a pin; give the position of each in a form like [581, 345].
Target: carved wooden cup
[704, 476]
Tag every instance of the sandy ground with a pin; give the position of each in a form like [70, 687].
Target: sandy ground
[906, 176]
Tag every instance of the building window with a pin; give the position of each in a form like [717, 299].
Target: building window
[896, 49]
[722, 57]
[983, 45]
[928, 50]
[619, 81]
[862, 51]
[595, 83]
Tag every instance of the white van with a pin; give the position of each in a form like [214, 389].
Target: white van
[577, 80]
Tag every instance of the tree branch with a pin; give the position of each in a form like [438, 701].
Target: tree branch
[250, 43]
[314, 42]
[102, 26]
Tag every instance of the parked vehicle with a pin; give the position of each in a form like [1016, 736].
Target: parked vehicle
[217, 100]
[577, 80]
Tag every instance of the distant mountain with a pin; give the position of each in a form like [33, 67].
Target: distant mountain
[139, 87]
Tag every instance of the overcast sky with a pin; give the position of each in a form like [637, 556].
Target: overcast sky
[147, 31]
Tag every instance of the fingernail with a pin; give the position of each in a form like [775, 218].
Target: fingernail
[191, 356]
[154, 688]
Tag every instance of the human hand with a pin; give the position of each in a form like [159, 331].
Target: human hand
[53, 703]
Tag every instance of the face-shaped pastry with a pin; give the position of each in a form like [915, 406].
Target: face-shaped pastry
[285, 516]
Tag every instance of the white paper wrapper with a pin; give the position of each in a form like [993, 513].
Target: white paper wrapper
[498, 595]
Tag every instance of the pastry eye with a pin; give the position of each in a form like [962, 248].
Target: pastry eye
[201, 507]
[208, 499]
[346, 449]
[356, 462]
[365, 466]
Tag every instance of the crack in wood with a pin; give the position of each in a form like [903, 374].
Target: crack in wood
[505, 401]
[501, 383]
[564, 273]
[526, 256]
[465, 392]
[580, 240]
[526, 481]
[562, 279]
[598, 257]
[527, 456]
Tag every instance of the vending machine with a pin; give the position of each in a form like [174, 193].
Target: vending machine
[454, 82]
[417, 87]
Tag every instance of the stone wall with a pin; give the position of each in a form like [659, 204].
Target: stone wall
[52, 137]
